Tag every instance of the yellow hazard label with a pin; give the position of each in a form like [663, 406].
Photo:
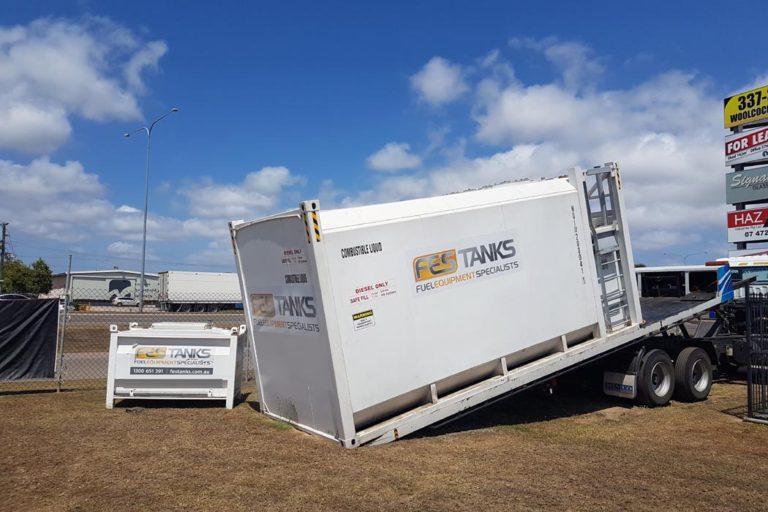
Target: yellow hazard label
[364, 314]
[746, 107]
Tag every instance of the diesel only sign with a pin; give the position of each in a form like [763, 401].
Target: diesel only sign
[746, 186]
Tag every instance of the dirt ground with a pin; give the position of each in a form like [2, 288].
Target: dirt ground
[578, 451]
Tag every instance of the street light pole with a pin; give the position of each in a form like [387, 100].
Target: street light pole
[148, 131]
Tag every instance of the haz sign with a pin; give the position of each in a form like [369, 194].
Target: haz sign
[748, 225]
[746, 107]
[745, 147]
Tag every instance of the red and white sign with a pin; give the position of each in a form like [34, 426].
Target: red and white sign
[745, 147]
[748, 225]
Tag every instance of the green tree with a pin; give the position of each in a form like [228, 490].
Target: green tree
[41, 277]
[16, 276]
[20, 278]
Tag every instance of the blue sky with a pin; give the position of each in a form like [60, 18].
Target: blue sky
[352, 103]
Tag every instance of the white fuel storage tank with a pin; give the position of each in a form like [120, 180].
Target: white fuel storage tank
[175, 360]
[361, 315]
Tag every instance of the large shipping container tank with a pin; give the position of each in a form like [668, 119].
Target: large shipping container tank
[359, 316]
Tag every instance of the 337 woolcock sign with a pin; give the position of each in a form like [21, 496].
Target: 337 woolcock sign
[748, 225]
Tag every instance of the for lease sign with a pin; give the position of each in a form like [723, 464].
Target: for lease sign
[748, 225]
[745, 147]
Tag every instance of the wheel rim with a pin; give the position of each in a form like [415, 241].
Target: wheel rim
[699, 375]
[661, 379]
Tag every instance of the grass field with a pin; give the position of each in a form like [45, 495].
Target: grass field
[577, 451]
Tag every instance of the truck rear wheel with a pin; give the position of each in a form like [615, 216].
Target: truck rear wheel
[693, 374]
[655, 381]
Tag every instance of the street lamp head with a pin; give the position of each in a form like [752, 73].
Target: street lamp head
[174, 109]
[126, 135]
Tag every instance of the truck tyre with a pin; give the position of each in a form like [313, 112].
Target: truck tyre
[656, 379]
[693, 374]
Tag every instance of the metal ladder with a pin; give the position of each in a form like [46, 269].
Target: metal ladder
[601, 186]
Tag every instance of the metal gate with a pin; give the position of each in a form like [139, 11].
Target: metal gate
[757, 341]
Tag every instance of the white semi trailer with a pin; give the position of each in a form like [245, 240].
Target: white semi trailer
[373, 322]
[198, 291]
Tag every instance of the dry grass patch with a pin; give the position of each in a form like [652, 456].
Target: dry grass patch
[67, 452]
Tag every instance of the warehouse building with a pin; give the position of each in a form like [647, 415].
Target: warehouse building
[102, 286]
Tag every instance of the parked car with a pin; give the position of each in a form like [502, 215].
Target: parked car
[125, 301]
[15, 296]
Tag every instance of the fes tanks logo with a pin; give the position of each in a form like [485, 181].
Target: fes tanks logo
[284, 312]
[452, 266]
[173, 356]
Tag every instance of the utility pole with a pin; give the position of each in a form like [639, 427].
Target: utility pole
[2, 254]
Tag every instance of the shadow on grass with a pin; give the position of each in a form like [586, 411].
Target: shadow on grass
[141, 403]
[737, 412]
[27, 391]
[574, 396]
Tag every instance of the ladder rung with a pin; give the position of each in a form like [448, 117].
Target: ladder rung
[617, 308]
[609, 250]
[607, 229]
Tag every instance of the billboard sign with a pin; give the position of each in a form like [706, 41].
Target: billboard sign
[746, 186]
[748, 225]
[746, 107]
[745, 147]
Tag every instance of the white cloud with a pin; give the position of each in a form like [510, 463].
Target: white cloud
[146, 58]
[394, 156]
[53, 69]
[124, 250]
[259, 192]
[213, 204]
[439, 82]
[32, 129]
[50, 200]
[665, 132]
[573, 59]
[217, 253]
[65, 203]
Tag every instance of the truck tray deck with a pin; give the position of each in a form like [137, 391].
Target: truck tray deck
[659, 308]
[662, 313]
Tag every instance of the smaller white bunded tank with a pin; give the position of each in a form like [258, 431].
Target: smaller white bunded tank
[172, 360]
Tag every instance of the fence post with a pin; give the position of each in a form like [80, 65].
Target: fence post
[748, 335]
[63, 327]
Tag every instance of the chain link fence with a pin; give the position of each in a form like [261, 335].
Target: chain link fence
[82, 352]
